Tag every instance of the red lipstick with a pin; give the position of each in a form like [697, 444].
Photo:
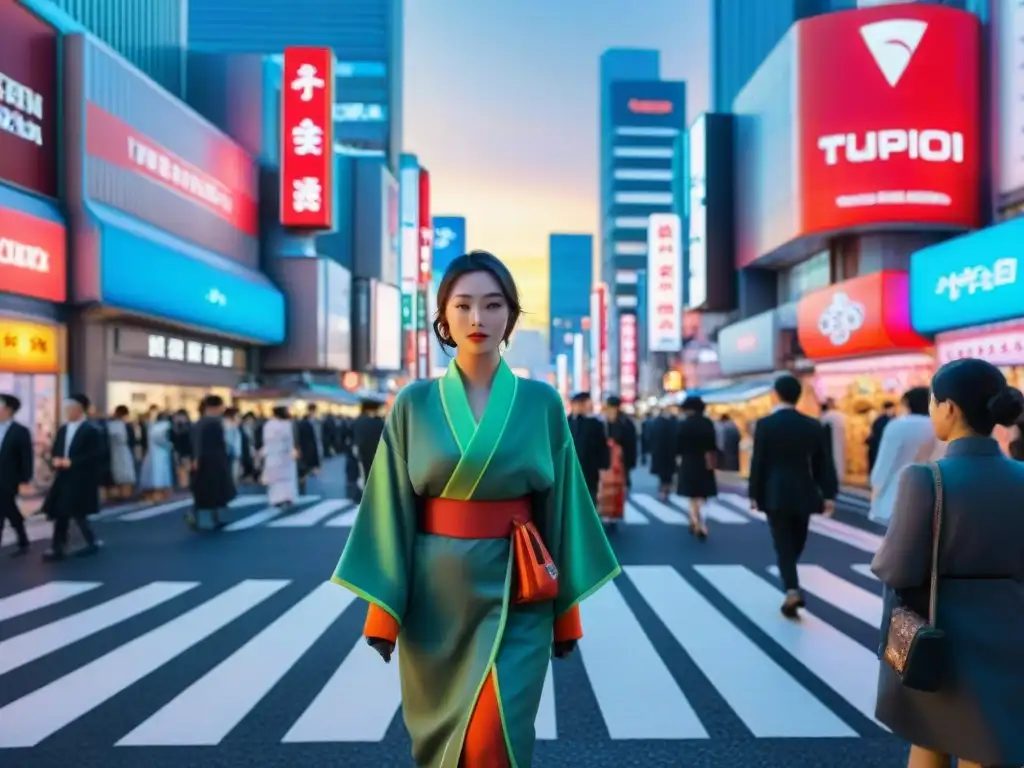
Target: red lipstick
[477, 336]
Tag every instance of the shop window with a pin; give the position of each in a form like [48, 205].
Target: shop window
[802, 278]
[845, 259]
[40, 412]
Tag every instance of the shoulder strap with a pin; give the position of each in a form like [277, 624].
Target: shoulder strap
[933, 587]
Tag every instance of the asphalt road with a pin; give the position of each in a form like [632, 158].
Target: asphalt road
[172, 648]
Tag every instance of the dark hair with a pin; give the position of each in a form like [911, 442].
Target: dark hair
[788, 388]
[916, 400]
[476, 261]
[231, 412]
[581, 397]
[979, 389]
[693, 404]
[121, 411]
[211, 401]
[281, 412]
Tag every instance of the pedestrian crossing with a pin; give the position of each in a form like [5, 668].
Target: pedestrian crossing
[70, 649]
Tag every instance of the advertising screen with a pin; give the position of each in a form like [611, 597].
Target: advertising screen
[391, 262]
[409, 213]
[893, 135]
[696, 155]
[1008, 27]
[28, 100]
[749, 346]
[628, 338]
[426, 230]
[972, 280]
[33, 256]
[649, 103]
[664, 283]
[387, 327]
[449, 243]
[338, 305]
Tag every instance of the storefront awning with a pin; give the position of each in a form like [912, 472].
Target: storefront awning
[145, 270]
[312, 393]
[739, 393]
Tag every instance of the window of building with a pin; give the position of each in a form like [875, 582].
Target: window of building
[642, 174]
[651, 152]
[630, 248]
[643, 198]
[625, 277]
[631, 222]
[807, 276]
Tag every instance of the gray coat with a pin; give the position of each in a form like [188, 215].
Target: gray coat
[979, 713]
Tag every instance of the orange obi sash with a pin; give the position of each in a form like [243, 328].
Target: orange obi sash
[536, 575]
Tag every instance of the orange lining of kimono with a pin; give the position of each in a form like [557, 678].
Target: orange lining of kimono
[473, 519]
[484, 745]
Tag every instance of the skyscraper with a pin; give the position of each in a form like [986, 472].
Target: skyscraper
[570, 270]
[367, 39]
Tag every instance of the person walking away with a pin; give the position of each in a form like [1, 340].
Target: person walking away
[645, 434]
[790, 480]
[729, 438]
[309, 446]
[280, 471]
[212, 484]
[366, 434]
[250, 451]
[969, 702]
[77, 458]
[697, 447]
[122, 460]
[908, 439]
[99, 421]
[663, 441]
[181, 439]
[233, 440]
[157, 475]
[878, 426]
[621, 429]
[589, 439]
[16, 470]
[835, 430]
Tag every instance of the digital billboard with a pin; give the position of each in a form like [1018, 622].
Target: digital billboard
[449, 244]
[664, 283]
[387, 327]
[696, 154]
[1008, 39]
[649, 103]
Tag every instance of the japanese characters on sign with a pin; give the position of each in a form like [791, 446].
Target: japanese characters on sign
[28, 347]
[194, 352]
[627, 357]
[307, 138]
[979, 278]
[426, 230]
[1004, 346]
[664, 283]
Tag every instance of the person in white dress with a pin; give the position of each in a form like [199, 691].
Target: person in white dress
[280, 469]
[122, 461]
[157, 475]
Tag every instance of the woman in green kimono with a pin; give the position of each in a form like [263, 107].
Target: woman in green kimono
[463, 461]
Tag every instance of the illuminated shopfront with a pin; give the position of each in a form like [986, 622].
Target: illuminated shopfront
[865, 353]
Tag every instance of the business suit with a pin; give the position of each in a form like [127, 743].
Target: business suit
[790, 478]
[15, 469]
[591, 446]
[75, 493]
[977, 715]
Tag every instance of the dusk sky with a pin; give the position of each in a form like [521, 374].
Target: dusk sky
[501, 105]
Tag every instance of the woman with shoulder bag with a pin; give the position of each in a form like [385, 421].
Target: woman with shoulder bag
[952, 562]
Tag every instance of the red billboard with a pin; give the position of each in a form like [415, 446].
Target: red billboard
[889, 118]
[28, 100]
[307, 138]
[628, 340]
[426, 230]
[33, 257]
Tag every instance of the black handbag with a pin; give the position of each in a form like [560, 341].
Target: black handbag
[915, 647]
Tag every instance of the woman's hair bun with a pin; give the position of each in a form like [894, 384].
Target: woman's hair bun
[1006, 406]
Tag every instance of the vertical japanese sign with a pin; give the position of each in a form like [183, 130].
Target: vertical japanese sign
[664, 283]
[426, 262]
[627, 357]
[599, 361]
[307, 138]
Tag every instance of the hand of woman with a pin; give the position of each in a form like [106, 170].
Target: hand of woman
[563, 648]
[384, 647]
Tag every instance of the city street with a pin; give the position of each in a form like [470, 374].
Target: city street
[174, 648]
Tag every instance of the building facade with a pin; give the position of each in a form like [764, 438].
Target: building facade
[570, 267]
[367, 39]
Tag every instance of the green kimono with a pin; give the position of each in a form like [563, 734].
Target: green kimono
[451, 596]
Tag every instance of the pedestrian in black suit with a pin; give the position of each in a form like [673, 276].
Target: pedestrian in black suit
[791, 479]
[589, 439]
[15, 469]
[77, 456]
[213, 484]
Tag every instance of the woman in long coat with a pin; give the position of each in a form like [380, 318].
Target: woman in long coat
[157, 475]
[280, 469]
[697, 444]
[213, 487]
[977, 713]
[122, 461]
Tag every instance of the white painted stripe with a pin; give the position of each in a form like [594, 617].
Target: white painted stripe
[639, 699]
[42, 596]
[209, 709]
[546, 724]
[847, 667]
[633, 516]
[847, 534]
[848, 598]
[714, 511]
[151, 512]
[734, 498]
[662, 512]
[29, 720]
[346, 520]
[261, 517]
[358, 703]
[29, 646]
[762, 694]
[120, 509]
[36, 531]
[307, 518]
[864, 569]
[248, 500]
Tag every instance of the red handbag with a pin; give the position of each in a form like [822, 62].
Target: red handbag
[536, 574]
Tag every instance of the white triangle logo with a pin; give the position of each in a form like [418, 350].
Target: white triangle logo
[892, 44]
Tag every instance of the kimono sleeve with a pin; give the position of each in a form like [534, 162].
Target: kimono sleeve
[376, 561]
[575, 535]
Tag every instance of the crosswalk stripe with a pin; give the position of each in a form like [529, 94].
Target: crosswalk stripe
[35, 530]
[43, 596]
[712, 510]
[864, 569]
[545, 724]
[120, 509]
[261, 517]
[847, 597]
[633, 516]
[612, 631]
[761, 693]
[29, 646]
[344, 711]
[346, 520]
[850, 669]
[29, 720]
[659, 511]
[848, 534]
[207, 711]
[307, 518]
[147, 513]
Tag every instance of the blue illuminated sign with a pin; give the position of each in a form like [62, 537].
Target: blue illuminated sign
[972, 280]
[449, 244]
[147, 271]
